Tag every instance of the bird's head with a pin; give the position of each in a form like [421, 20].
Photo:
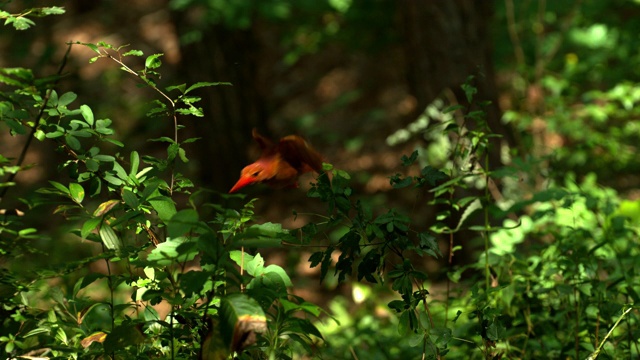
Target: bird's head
[251, 174]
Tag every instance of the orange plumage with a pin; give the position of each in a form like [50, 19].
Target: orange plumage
[280, 164]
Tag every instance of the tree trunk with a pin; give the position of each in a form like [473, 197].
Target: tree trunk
[445, 42]
[225, 55]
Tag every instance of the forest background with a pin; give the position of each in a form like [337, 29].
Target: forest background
[484, 200]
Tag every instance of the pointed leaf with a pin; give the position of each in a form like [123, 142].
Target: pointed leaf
[475, 205]
[105, 207]
[60, 187]
[89, 226]
[109, 237]
[204, 84]
[135, 163]
[95, 337]
[77, 192]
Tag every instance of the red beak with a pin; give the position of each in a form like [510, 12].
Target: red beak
[242, 182]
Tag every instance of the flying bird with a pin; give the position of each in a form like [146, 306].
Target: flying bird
[280, 164]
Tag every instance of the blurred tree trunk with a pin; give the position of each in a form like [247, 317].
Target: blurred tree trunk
[224, 55]
[444, 43]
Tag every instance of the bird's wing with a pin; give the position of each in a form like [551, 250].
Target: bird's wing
[265, 144]
[297, 152]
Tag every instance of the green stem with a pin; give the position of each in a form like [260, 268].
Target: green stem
[154, 87]
[595, 354]
[487, 226]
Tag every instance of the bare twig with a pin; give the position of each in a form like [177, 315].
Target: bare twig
[595, 354]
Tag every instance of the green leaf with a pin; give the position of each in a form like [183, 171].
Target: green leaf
[496, 331]
[130, 198]
[452, 108]
[401, 183]
[86, 281]
[153, 61]
[180, 88]
[190, 140]
[253, 265]
[176, 250]
[20, 23]
[264, 235]
[15, 126]
[87, 114]
[109, 237]
[443, 335]
[406, 161]
[52, 10]
[475, 205]
[89, 226]
[433, 175]
[114, 142]
[95, 186]
[112, 180]
[40, 135]
[429, 245]
[135, 163]
[60, 187]
[204, 84]
[404, 323]
[133, 53]
[163, 139]
[164, 206]
[182, 222]
[104, 158]
[73, 142]
[67, 98]
[183, 155]
[53, 99]
[77, 192]
[25, 233]
[120, 172]
[92, 165]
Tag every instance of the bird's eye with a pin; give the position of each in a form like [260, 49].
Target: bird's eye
[255, 174]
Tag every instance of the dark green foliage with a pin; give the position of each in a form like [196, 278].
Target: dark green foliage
[552, 271]
[127, 204]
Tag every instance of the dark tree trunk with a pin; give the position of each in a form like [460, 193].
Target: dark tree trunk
[225, 55]
[445, 42]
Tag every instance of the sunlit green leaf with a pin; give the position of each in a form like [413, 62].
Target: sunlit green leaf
[153, 61]
[87, 114]
[77, 192]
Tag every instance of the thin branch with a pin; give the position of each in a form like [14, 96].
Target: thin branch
[154, 87]
[595, 354]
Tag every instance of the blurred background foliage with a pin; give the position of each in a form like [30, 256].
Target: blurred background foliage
[363, 81]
